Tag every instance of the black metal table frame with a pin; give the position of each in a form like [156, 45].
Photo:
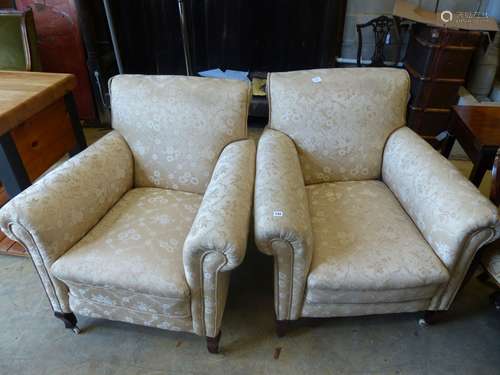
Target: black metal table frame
[13, 174]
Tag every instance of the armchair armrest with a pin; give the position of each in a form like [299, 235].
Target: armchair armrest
[60, 208]
[282, 221]
[452, 215]
[217, 240]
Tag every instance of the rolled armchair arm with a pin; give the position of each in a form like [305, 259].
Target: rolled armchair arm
[454, 218]
[55, 212]
[282, 220]
[217, 240]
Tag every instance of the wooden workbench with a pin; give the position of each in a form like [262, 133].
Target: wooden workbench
[39, 124]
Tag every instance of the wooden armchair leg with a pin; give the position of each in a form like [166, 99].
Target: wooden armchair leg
[282, 327]
[69, 320]
[213, 344]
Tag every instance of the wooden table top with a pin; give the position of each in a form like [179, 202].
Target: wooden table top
[483, 122]
[23, 94]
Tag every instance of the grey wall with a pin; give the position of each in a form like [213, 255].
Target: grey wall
[361, 11]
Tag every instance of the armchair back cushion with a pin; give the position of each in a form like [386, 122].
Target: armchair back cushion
[177, 126]
[339, 123]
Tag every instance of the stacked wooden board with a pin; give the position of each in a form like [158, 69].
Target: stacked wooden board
[7, 246]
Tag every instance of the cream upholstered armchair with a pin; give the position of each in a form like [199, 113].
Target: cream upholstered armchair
[360, 214]
[146, 224]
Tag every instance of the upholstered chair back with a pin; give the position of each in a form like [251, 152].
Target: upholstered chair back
[177, 126]
[339, 119]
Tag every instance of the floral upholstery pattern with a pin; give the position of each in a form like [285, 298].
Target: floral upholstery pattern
[145, 225]
[217, 240]
[367, 249]
[142, 237]
[361, 215]
[95, 309]
[317, 310]
[282, 222]
[341, 123]
[448, 209]
[177, 126]
[54, 213]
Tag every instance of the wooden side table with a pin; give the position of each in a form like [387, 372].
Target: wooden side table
[39, 124]
[477, 129]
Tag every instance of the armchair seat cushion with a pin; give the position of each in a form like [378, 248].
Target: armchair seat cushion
[366, 248]
[132, 259]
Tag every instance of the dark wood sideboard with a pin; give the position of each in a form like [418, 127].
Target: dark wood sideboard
[437, 60]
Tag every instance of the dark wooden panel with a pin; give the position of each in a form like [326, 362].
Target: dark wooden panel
[428, 122]
[440, 53]
[437, 60]
[442, 95]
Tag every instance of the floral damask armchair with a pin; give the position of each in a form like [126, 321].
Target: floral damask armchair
[360, 214]
[146, 224]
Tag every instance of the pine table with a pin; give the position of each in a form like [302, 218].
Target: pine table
[39, 124]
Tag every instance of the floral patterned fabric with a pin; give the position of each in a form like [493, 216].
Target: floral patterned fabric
[96, 309]
[443, 299]
[143, 303]
[339, 119]
[142, 237]
[367, 249]
[449, 211]
[217, 240]
[317, 310]
[282, 222]
[177, 126]
[54, 213]
[401, 244]
[108, 250]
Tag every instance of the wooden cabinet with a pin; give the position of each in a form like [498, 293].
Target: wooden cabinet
[61, 47]
[437, 60]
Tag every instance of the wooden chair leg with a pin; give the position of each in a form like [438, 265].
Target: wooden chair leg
[69, 320]
[213, 343]
[282, 327]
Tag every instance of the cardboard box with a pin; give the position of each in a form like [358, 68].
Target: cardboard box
[445, 18]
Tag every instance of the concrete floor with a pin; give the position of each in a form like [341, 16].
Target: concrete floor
[32, 341]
